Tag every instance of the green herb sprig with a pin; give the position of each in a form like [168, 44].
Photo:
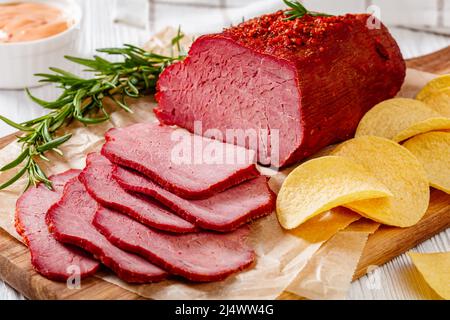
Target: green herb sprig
[82, 100]
[298, 11]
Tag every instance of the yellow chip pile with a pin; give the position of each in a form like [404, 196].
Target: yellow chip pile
[435, 269]
[373, 174]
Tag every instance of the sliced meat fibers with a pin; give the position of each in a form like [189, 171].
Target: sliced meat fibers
[202, 256]
[70, 220]
[99, 182]
[223, 212]
[49, 257]
[188, 165]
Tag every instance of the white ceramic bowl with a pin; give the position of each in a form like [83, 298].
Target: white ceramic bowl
[19, 61]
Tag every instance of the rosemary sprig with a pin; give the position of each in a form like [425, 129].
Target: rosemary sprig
[82, 100]
[298, 11]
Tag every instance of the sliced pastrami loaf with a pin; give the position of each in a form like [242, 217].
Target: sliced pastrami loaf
[300, 84]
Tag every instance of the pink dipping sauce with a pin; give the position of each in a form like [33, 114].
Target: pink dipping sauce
[27, 21]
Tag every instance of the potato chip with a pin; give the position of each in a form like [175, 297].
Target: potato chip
[322, 184]
[434, 124]
[434, 87]
[439, 102]
[399, 119]
[397, 169]
[433, 151]
[435, 269]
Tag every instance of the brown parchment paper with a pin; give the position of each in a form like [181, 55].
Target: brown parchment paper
[329, 273]
[281, 255]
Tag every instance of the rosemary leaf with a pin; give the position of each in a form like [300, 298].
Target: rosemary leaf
[53, 143]
[15, 178]
[15, 125]
[297, 10]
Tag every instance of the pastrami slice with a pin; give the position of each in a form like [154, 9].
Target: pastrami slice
[223, 212]
[202, 256]
[99, 182]
[188, 165]
[70, 221]
[49, 257]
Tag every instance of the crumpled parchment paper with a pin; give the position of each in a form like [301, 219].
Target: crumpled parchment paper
[329, 273]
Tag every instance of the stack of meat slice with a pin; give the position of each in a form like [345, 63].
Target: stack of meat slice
[155, 202]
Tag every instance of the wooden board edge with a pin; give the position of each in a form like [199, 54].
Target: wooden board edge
[16, 270]
[429, 226]
[437, 62]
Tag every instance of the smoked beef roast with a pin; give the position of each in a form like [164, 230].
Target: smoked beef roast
[290, 86]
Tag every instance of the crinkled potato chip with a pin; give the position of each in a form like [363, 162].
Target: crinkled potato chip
[321, 184]
[434, 86]
[435, 269]
[439, 102]
[399, 171]
[433, 151]
[399, 119]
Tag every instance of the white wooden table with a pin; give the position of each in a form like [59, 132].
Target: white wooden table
[395, 280]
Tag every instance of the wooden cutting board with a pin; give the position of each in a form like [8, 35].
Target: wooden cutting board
[382, 246]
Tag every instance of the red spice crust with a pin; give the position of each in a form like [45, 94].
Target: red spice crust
[273, 34]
